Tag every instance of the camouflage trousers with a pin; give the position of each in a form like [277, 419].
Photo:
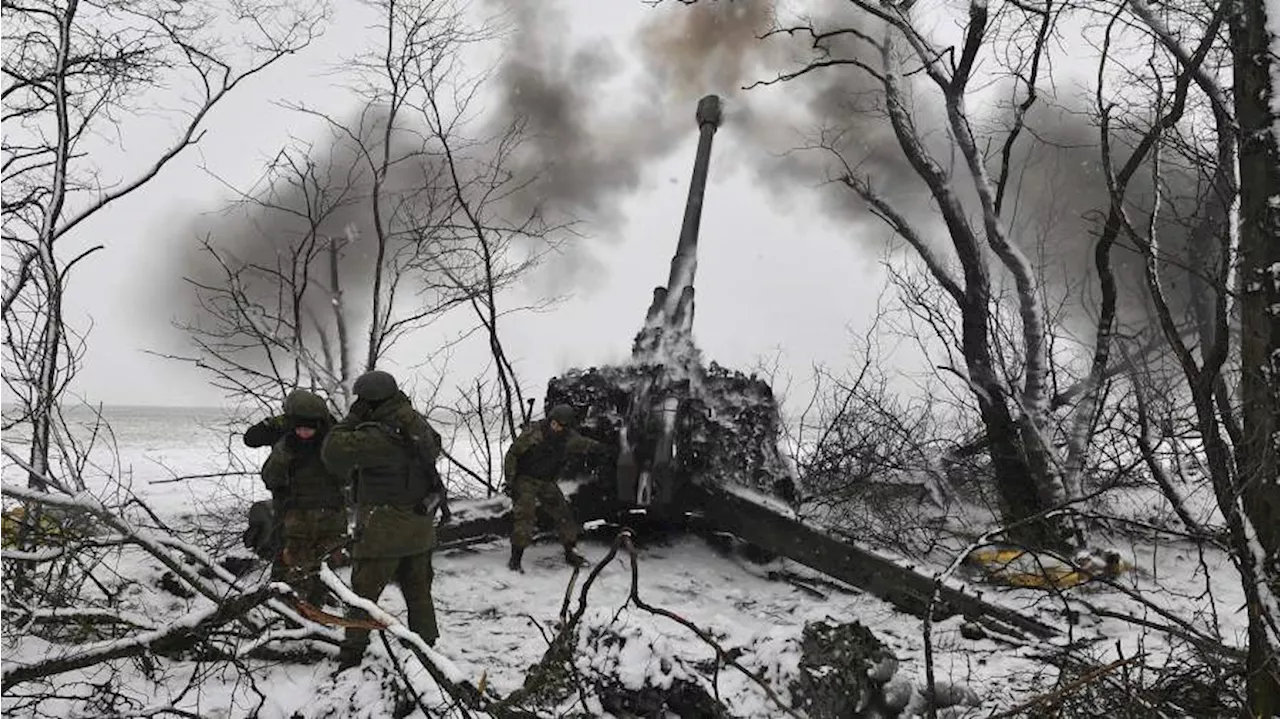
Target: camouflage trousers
[309, 537]
[371, 575]
[529, 495]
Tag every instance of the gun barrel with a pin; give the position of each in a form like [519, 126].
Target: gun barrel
[683, 265]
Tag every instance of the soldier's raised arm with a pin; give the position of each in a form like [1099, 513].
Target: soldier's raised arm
[578, 443]
[267, 432]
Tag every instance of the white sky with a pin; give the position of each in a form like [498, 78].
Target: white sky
[772, 273]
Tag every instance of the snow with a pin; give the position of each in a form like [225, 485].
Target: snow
[493, 621]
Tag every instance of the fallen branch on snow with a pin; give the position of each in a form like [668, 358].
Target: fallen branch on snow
[211, 475]
[177, 635]
[1067, 688]
[560, 649]
[93, 615]
[722, 657]
[447, 677]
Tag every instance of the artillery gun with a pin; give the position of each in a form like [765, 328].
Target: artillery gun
[699, 443]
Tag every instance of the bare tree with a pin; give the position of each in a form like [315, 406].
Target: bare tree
[77, 73]
[409, 213]
[1015, 418]
[73, 70]
[1241, 465]
[271, 320]
[1258, 455]
[497, 240]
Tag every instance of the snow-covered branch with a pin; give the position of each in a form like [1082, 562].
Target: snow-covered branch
[450, 681]
[177, 634]
[159, 545]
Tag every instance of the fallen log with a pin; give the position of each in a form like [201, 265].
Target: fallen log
[902, 587]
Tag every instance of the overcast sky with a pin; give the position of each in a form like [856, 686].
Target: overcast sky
[773, 271]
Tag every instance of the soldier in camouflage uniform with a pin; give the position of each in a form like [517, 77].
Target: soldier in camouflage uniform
[531, 468]
[307, 500]
[389, 452]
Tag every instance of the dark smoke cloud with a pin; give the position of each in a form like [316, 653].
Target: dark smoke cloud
[584, 154]
[262, 232]
[707, 47]
[716, 46]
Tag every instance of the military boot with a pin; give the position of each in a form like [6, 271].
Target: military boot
[572, 558]
[514, 563]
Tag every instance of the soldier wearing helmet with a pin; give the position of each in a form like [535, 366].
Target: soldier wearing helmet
[308, 503]
[389, 452]
[532, 465]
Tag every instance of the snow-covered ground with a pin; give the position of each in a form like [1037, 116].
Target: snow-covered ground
[495, 623]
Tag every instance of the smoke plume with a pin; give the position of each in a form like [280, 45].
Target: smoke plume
[576, 159]
[582, 155]
[1058, 195]
[312, 195]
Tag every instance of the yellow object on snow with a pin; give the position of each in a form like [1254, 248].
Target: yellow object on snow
[1037, 570]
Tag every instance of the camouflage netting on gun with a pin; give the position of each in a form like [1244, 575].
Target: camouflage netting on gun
[727, 428]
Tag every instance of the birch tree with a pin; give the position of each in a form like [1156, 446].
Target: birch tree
[887, 46]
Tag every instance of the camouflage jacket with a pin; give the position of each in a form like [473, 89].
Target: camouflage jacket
[539, 453]
[389, 451]
[294, 472]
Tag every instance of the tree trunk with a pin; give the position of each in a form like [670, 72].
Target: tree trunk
[1018, 492]
[1260, 328]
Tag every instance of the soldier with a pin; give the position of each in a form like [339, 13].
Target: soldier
[389, 452]
[307, 500]
[531, 468]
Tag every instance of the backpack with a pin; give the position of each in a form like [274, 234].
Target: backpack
[262, 535]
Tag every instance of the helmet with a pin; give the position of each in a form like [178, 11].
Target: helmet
[375, 386]
[301, 404]
[563, 414]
